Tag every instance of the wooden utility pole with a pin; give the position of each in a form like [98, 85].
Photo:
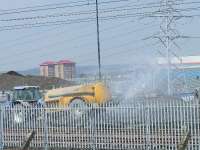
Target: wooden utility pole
[98, 39]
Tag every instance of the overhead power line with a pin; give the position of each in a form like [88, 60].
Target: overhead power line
[88, 19]
[115, 9]
[56, 34]
[84, 20]
[46, 5]
[59, 7]
[107, 10]
[72, 21]
[65, 3]
[69, 21]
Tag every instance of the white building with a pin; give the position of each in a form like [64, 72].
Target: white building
[185, 62]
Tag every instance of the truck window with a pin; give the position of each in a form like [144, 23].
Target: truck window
[27, 94]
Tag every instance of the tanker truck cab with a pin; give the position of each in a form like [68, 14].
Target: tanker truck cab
[25, 102]
[27, 95]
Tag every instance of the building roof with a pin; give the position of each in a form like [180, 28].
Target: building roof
[66, 62]
[46, 63]
[187, 60]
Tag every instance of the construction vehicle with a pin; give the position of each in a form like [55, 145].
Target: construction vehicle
[77, 97]
[95, 93]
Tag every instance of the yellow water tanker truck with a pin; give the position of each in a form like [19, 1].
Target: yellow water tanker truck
[78, 97]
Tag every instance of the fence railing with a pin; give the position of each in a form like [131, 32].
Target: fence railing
[143, 127]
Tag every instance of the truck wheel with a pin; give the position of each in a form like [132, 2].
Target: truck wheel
[19, 114]
[79, 111]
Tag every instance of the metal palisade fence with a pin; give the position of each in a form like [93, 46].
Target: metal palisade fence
[153, 126]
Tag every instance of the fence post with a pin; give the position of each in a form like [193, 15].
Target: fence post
[93, 126]
[147, 118]
[1, 127]
[45, 126]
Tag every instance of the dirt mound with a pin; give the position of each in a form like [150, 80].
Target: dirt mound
[12, 78]
[13, 73]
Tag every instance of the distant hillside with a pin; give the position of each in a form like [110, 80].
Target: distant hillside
[79, 70]
[87, 69]
[33, 71]
[11, 79]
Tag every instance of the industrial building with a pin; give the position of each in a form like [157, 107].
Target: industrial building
[64, 69]
[188, 66]
[185, 72]
[186, 62]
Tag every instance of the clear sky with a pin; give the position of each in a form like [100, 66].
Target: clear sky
[124, 38]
